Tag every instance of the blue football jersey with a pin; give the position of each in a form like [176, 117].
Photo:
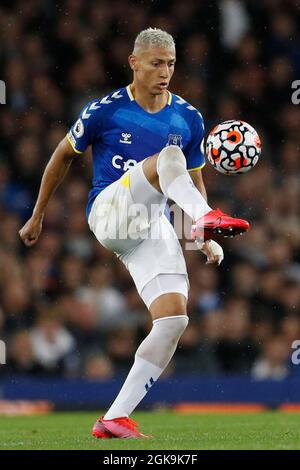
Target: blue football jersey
[122, 134]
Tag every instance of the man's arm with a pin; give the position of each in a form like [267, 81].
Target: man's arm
[53, 175]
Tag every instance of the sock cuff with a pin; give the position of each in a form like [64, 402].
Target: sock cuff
[173, 317]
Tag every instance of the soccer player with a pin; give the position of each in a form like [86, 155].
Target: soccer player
[147, 148]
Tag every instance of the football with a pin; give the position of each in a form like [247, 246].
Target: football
[233, 147]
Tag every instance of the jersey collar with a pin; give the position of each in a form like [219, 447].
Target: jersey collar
[131, 97]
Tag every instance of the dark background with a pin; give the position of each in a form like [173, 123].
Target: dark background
[68, 308]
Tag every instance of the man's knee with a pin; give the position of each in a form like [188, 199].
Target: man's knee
[171, 163]
[174, 326]
[159, 346]
[171, 158]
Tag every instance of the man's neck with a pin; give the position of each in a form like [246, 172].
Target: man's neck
[150, 103]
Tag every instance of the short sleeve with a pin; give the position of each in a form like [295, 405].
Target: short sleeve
[194, 151]
[87, 127]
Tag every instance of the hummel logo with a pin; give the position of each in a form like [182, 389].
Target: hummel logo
[125, 138]
[151, 382]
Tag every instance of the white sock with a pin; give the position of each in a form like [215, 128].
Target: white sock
[176, 183]
[183, 191]
[151, 358]
[141, 377]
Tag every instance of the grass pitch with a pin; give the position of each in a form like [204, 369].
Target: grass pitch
[268, 430]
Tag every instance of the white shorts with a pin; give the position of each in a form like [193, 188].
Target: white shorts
[128, 218]
[164, 284]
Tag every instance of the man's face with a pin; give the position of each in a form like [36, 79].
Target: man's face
[153, 69]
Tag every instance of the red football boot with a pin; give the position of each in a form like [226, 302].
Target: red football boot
[216, 222]
[124, 428]
[100, 431]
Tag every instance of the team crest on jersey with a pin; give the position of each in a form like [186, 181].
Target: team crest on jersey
[125, 139]
[175, 139]
[78, 128]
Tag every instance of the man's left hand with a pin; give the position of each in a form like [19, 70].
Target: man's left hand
[213, 251]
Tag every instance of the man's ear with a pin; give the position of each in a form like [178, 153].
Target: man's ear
[133, 62]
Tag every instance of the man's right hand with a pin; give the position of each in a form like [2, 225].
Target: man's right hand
[53, 175]
[30, 232]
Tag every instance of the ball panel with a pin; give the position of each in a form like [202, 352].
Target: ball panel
[233, 147]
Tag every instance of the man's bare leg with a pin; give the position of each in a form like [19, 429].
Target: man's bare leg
[150, 171]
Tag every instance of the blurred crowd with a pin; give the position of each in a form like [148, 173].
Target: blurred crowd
[68, 307]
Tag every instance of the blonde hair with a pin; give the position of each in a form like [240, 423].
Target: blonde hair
[153, 37]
